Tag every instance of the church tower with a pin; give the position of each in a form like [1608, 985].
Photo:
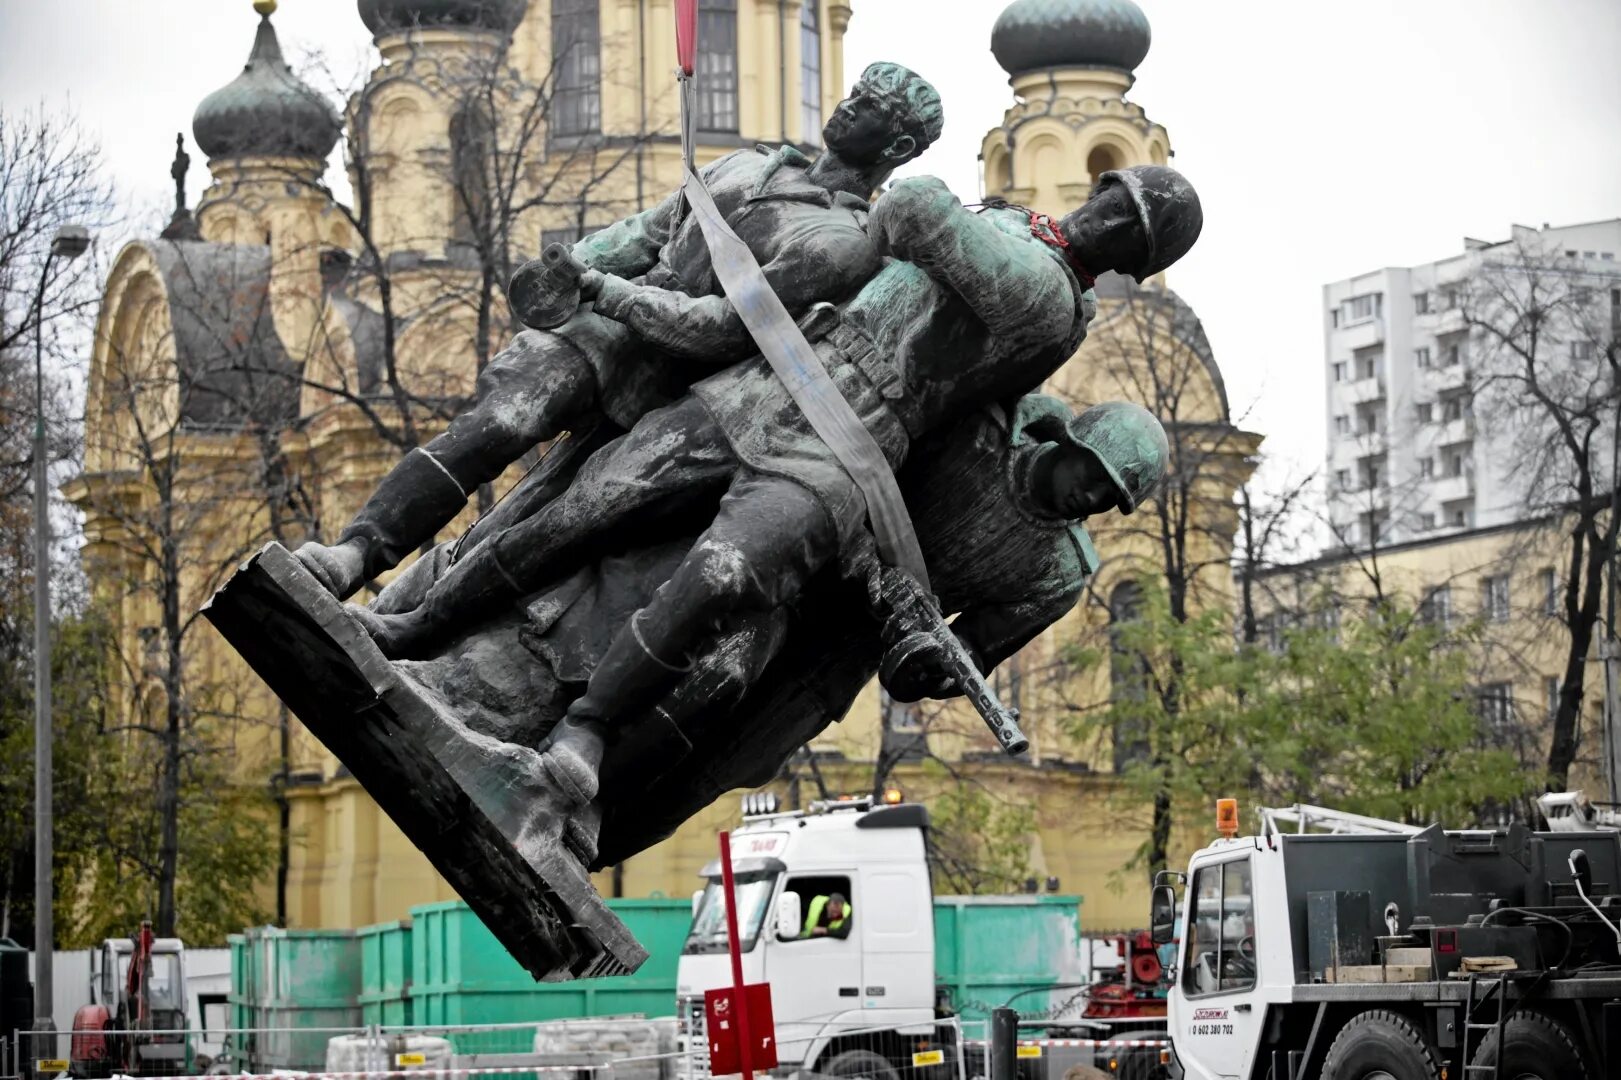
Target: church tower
[1070, 64]
[267, 136]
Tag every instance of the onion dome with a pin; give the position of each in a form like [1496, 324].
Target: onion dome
[381, 16]
[265, 111]
[1032, 35]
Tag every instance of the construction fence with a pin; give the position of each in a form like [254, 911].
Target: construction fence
[599, 1048]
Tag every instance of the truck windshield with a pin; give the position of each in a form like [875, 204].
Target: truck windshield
[709, 924]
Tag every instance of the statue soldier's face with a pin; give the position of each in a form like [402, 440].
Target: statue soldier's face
[1077, 486]
[1107, 230]
[862, 130]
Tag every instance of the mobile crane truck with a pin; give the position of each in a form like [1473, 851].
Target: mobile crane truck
[1463, 955]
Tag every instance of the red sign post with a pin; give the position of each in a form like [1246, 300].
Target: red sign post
[734, 1015]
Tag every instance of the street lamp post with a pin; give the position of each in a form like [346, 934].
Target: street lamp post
[69, 242]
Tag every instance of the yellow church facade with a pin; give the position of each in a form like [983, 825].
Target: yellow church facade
[295, 283]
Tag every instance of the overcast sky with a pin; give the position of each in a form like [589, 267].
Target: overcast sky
[1326, 137]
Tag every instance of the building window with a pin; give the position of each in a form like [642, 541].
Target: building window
[1452, 408]
[1426, 520]
[1334, 317]
[1497, 707]
[1581, 350]
[1367, 362]
[1494, 591]
[1365, 306]
[1550, 693]
[1449, 297]
[567, 235]
[472, 148]
[1451, 350]
[810, 72]
[1370, 472]
[1426, 467]
[1436, 607]
[1342, 479]
[1367, 421]
[1457, 462]
[577, 53]
[1128, 674]
[1342, 425]
[1421, 303]
[1461, 515]
[717, 65]
[1339, 370]
[1550, 592]
[1421, 356]
[1426, 412]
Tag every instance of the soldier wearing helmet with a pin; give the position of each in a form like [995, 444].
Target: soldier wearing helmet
[1021, 541]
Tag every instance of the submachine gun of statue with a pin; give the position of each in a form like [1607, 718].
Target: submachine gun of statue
[913, 624]
[545, 292]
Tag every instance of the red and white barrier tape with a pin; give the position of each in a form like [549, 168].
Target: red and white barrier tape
[417, 1071]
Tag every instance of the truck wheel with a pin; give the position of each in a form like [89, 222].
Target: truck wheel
[1380, 1045]
[860, 1065]
[1539, 1048]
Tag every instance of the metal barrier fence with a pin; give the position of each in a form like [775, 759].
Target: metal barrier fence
[626, 1048]
[846, 1050]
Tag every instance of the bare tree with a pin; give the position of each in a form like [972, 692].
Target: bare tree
[1546, 333]
[178, 489]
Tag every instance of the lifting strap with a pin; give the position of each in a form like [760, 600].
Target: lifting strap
[784, 346]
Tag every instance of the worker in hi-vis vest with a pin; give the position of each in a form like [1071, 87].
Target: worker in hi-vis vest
[827, 916]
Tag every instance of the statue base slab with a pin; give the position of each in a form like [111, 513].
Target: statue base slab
[480, 809]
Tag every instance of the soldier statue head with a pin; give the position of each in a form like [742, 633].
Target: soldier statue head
[891, 116]
[1112, 456]
[1137, 221]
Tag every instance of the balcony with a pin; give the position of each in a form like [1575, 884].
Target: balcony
[1449, 432]
[1447, 489]
[1438, 379]
[1362, 391]
[1360, 334]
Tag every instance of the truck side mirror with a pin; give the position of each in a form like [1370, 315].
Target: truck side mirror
[789, 916]
[697, 899]
[1582, 870]
[1162, 914]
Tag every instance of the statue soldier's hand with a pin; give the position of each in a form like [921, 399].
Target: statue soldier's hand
[915, 668]
[591, 284]
[398, 636]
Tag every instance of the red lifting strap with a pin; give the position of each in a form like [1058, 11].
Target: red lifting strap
[686, 34]
[1045, 229]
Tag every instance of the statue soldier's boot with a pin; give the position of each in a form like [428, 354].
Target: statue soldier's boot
[628, 679]
[479, 588]
[416, 499]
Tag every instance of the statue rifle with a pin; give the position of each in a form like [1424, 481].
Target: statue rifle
[901, 594]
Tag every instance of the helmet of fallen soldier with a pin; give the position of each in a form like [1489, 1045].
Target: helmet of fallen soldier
[1167, 209]
[1129, 443]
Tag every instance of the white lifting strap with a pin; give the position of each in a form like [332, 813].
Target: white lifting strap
[800, 369]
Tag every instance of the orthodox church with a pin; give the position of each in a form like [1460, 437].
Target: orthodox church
[259, 365]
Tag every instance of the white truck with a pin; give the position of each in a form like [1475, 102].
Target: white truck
[860, 1005]
[1467, 955]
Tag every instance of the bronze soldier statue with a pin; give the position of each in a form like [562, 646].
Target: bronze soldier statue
[985, 307]
[803, 221]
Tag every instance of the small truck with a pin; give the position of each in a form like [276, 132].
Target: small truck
[865, 1000]
[1465, 955]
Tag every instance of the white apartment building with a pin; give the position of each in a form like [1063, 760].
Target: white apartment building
[1406, 459]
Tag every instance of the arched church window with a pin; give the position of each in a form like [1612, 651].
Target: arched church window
[1102, 159]
[810, 72]
[716, 69]
[1128, 674]
[577, 59]
[472, 143]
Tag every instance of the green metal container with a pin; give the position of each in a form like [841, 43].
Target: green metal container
[989, 948]
[304, 983]
[385, 973]
[462, 975]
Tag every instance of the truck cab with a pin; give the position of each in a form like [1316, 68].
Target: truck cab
[1335, 956]
[878, 975]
